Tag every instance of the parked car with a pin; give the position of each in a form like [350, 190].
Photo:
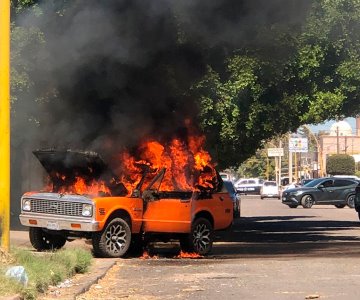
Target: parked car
[329, 190]
[235, 196]
[249, 186]
[357, 199]
[269, 189]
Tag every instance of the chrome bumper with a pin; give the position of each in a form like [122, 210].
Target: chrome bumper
[55, 222]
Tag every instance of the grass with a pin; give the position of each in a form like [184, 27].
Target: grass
[43, 269]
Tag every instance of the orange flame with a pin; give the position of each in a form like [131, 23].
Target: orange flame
[146, 255]
[188, 168]
[188, 255]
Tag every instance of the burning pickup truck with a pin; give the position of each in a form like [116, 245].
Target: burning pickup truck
[85, 200]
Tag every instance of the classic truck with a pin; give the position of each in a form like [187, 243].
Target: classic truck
[113, 219]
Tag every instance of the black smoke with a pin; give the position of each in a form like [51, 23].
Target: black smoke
[123, 69]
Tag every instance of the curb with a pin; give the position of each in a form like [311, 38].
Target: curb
[81, 283]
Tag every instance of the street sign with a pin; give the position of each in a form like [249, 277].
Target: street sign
[298, 145]
[275, 151]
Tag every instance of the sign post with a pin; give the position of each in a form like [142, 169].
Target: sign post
[5, 123]
[277, 153]
[296, 144]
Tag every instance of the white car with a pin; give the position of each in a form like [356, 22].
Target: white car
[269, 189]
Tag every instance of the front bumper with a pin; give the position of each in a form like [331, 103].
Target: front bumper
[290, 200]
[52, 222]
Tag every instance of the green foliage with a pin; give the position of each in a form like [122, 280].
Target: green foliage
[340, 164]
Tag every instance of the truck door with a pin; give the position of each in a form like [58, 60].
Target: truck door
[166, 211]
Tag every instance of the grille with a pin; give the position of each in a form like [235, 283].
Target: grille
[56, 207]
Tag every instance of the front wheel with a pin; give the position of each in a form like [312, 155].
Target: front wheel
[42, 240]
[307, 201]
[200, 239]
[114, 240]
[339, 205]
[350, 201]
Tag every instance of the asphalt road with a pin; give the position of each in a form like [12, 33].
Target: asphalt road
[273, 252]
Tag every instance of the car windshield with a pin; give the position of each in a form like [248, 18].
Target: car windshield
[314, 182]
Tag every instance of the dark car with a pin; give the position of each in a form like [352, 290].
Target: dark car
[235, 196]
[328, 191]
[357, 199]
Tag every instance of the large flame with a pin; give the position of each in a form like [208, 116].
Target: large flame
[188, 165]
[188, 168]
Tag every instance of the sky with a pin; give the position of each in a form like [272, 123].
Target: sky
[326, 125]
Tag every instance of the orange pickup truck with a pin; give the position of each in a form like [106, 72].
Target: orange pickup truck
[115, 220]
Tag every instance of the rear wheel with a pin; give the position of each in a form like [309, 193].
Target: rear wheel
[307, 201]
[340, 205]
[200, 239]
[350, 201]
[42, 240]
[114, 240]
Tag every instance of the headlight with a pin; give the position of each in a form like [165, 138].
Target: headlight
[26, 205]
[87, 210]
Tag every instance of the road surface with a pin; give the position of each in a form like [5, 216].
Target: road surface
[273, 252]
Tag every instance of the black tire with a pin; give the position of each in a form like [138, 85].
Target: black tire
[293, 206]
[350, 201]
[340, 205]
[307, 201]
[42, 240]
[114, 240]
[201, 238]
[137, 245]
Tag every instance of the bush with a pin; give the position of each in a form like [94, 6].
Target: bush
[340, 164]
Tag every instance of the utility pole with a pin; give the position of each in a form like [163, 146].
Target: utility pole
[5, 123]
[290, 161]
[337, 140]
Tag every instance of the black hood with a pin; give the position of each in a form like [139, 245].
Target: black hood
[68, 162]
[64, 166]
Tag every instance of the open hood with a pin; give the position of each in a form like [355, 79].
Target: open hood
[68, 162]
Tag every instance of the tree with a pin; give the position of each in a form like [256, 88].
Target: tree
[255, 96]
[340, 164]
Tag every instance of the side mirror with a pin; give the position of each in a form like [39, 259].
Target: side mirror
[321, 186]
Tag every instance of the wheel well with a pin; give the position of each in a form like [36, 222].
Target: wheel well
[349, 196]
[120, 213]
[206, 215]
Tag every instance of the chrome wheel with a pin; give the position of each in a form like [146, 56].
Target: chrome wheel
[114, 240]
[202, 236]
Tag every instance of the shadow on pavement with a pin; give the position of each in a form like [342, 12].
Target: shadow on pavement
[289, 235]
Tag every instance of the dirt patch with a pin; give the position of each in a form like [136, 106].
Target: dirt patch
[5, 257]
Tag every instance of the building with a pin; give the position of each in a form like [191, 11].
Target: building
[340, 140]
